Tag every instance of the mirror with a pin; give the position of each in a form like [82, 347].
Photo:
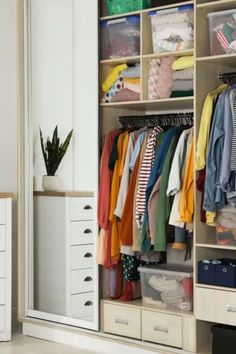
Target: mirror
[61, 274]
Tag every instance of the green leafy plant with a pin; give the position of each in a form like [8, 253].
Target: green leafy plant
[54, 151]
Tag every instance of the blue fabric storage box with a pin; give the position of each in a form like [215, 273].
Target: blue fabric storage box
[225, 274]
[206, 273]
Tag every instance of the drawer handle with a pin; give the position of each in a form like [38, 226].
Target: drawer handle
[88, 303]
[123, 322]
[161, 329]
[231, 308]
[87, 231]
[87, 279]
[87, 207]
[88, 255]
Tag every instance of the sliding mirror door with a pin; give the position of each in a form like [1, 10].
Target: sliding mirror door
[60, 103]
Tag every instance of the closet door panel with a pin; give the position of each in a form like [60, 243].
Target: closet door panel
[2, 237]
[2, 265]
[122, 320]
[82, 232]
[2, 318]
[2, 291]
[162, 328]
[2, 211]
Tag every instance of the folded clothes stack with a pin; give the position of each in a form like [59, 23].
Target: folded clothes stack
[183, 77]
[122, 84]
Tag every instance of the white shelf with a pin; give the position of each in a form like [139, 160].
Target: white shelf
[123, 60]
[224, 59]
[168, 103]
[177, 4]
[165, 54]
[219, 5]
[213, 287]
[216, 246]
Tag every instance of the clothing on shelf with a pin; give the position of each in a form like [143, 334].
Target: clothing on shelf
[122, 84]
[216, 152]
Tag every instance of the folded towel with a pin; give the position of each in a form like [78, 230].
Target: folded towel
[186, 74]
[132, 87]
[183, 63]
[182, 85]
[126, 95]
[135, 81]
[182, 93]
[132, 72]
[116, 87]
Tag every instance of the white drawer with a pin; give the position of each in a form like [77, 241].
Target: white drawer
[216, 306]
[2, 318]
[2, 292]
[122, 320]
[82, 305]
[82, 257]
[81, 232]
[81, 281]
[2, 211]
[2, 264]
[2, 237]
[82, 209]
[162, 328]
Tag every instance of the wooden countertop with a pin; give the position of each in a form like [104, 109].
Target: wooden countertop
[4, 195]
[64, 194]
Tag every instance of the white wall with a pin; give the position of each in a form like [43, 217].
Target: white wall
[9, 113]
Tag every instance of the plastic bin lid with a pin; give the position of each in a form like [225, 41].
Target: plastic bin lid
[219, 13]
[171, 10]
[172, 269]
[132, 18]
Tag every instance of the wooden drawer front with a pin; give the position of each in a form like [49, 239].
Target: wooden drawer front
[2, 237]
[2, 265]
[82, 257]
[2, 318]
[2, 212]
[82, 209]
[81, 281]
[162, 328]
[124, 321]
[2, 292]
[216, 306]
[82, 232]
[82, 305]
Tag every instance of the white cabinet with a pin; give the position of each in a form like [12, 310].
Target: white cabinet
[5, 266]
[64, 273]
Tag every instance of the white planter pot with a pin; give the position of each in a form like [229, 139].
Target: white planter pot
[50, 183]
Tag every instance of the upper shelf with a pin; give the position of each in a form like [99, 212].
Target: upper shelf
[147, 10]
[219, 5]
[224, 59]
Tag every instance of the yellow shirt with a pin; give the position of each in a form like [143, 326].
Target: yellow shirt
[113, 76]
[187, 197]
[133, 81]
[183, 63]
[205, 126]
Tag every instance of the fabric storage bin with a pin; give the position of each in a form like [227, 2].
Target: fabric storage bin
[206, 273]
[120, 37]
[225, 274]
[116, 7]
[224, 339]
[167, 286]
[172, 29]
[222, 30]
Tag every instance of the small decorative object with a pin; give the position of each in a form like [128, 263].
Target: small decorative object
[53, 153]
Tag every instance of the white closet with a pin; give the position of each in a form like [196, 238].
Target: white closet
[5, 265]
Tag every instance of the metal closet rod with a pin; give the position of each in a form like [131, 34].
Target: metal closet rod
[228, 78]
[185, 118]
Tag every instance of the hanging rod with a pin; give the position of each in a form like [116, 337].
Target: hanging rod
[228, 78]
[168, 119]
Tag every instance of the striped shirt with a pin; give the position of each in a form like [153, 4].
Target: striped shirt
[233, 151]
[144, 174]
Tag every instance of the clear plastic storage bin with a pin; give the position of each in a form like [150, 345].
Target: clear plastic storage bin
[222, 29]
[172, 29]
[167, 286]
[120, 37]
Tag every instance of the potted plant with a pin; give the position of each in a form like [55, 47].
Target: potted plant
[53, 153]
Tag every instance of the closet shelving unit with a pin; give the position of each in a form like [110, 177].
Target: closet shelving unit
[207, 70]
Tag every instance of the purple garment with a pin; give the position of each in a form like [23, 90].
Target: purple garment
[113, 280]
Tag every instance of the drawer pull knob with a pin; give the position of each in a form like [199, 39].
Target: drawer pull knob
[87, 279]
[161, 329]
[87, 231]
[88, 303]
[87, 207]
[231, 308]
[88, 255]
[123, 322]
